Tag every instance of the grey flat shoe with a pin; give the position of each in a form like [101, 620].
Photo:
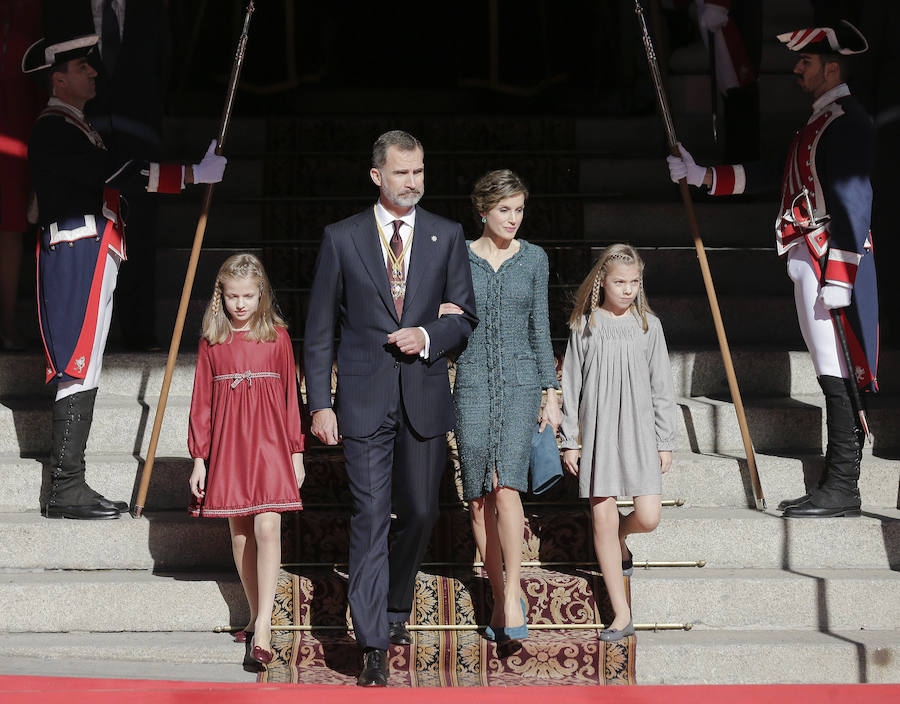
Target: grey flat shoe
[610, 634]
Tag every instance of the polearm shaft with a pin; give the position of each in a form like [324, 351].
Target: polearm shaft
[663, 103]
[192, 269]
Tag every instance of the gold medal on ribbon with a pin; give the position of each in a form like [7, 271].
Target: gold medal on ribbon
[398, 280]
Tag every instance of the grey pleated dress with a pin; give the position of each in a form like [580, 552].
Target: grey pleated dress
[618, 392]
[507, 361]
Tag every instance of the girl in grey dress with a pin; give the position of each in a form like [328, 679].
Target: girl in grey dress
[618, 396]
[508, 360]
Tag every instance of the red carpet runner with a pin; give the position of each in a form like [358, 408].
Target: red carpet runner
[52, 690]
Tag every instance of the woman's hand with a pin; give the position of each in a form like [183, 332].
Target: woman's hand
[449, 309]
[299, 469]
[570, 461]
[665, 460]
[197, 481]
[550, 414]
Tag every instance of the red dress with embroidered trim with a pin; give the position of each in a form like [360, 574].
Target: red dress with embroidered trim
[246, 429]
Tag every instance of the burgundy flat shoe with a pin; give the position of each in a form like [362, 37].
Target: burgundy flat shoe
[242, 636]
[261, 655]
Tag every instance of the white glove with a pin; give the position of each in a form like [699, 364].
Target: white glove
[684, 167]
[713, 17]
[834, 296]
[211, 167]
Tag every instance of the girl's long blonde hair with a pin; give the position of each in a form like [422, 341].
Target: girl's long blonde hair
[216, 324]
[589, 295]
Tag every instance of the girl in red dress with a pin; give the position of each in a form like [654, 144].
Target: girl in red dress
[245, 434]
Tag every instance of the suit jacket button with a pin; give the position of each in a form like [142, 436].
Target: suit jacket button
[396, 364]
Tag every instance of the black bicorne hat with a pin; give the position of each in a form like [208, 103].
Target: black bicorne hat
[68, 34]
[842, 39]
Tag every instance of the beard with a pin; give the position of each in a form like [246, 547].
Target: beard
[406, 199]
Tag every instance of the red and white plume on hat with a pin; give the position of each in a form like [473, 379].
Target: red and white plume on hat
[812, 40]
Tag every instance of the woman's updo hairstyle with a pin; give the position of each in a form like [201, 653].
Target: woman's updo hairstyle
[493, 187]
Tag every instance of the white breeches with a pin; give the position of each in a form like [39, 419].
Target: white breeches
[815, 320]
[104, 318]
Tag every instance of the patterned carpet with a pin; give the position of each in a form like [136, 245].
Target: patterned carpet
[447, 658]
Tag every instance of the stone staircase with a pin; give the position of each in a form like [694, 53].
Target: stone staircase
[771, 597]
[768, 600]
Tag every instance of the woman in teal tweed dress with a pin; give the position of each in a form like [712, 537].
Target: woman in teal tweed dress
[506, 363]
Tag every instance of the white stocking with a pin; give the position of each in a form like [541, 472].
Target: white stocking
[815, 320]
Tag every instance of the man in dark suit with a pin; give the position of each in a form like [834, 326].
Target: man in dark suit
[380, 277]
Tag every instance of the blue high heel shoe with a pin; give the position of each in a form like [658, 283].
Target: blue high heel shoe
[518, 632]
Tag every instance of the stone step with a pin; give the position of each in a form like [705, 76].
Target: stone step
[179, 656]
[717, 481]
[229, 221]
[184, 136]
[704, 424]
[767, 599]
[715, 599]
[606, 216]
[118, 477]
[689, 94]
[693, 59]
[722, 222]
[457, 131]
[698, 480]
[331, 173]
[122, 425]
[722, 537]
[120, 600]
[644, 137]
[760, 371]
[797, 424]
[664, 658]
[171, 269]
[136, 375]
[831, 656]
[111, 670]
[736, 538]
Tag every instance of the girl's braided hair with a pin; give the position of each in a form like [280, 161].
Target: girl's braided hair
[589, 295]
[216, 323]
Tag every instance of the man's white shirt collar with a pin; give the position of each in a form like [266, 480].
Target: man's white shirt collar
[55, 102]
[839, 91]
[386, 220]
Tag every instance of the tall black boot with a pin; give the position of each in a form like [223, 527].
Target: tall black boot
[85, 408]
[838, 492]
[69, 496]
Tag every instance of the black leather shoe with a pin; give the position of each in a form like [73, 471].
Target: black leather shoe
[399, 633]
[92, 512]
[810, 510]
[787, 503]
[119, 506]
[375, 669]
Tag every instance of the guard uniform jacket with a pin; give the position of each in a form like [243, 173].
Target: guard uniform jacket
[77, 183]
[826, 205]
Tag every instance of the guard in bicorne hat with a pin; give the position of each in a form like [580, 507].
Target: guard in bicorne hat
[822, 229]
[81, 191]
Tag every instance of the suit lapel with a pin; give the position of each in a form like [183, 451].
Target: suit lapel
[421, 254]
[365, 239]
